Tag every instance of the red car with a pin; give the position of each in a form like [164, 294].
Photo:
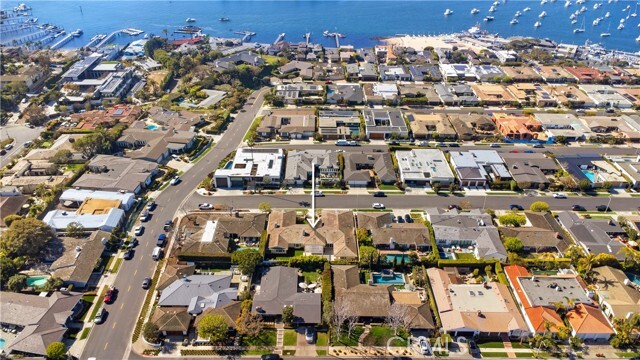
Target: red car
[110, 296]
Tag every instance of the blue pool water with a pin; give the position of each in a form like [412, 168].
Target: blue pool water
[634, 278]
[37, 280]
[398, 258]
[590, 175]
[2, 343]
[151, 126]
[397, 279]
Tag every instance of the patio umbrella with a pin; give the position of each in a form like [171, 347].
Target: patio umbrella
[312, 285]
[302, 285]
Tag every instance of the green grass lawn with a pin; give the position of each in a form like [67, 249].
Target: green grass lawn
[116, 266]
[272, 60]
[321, 352]
[98, 304]
[380, 335]
[524, 355]
[257, 352]
[266, 338]
[73, 167]
[289, 254]
[323, 339]
[388, 187]
[352, 340]
[290, 338]
[495, 354]
[517, 345]
[624, 354]
[463, 256]
[288, 352]
[492, 345]
[85, 333]
[310, 276]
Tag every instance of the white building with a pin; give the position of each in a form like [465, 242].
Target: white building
[77, 196]
[251, 167]
[59, 219]
[422, 166]
[606, 96]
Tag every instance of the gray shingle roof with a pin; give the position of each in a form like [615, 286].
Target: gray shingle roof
[199, 292]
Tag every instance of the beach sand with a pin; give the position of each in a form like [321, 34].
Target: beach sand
[439, 41]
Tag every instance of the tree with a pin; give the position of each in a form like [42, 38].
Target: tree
[152, 45]
[35, 115]
[287, 315]
[74, 229]
[11, 218]
[248, 323]
[539, 206]
[513, 185]
[56, 351]
[264, 207]
[453, 187]
[584, 185]
[398, 317]
[214, 328]
[514, 220]
[7, 269]
[25, 237]
[247, 260]
[17, 283]
[151, 332]
[368, 256]
[98, 142]
[575, 342]
[436, 186]
[53, 284]
[61, 156]
[363, 236]
[341, 313]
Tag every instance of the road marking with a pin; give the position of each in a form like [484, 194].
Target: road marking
[135, 272]
[105, 346]
[129, 289]
[114, 326]
[122, 306]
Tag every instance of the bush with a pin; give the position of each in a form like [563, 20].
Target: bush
[307, 263]
[513, 244]
[539, 206]
[515, 220]
[151, 332]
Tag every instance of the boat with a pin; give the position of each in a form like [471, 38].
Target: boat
[596, 6]
[543, 2]
[580, 29]
[573, 16]
[146, 36]
[189, 29]
[596, 22]
[579, 2]
[606, 34]
[567, 3]
[448, 12]
[190, 20]
[224, 19]
[21, 7]
[574, 21]
[517, 14]
[537, 24]
[621, 21]
[621, 26]
[542, 14]
[513, 21]
[492, 9]
[488, 18]
[77, 33]
[638, 39]
[496, 3]
[526, 9]
[635, 12]
[607, 15]
[474, 11]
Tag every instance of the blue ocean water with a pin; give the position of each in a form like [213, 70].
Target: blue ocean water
[361, 21]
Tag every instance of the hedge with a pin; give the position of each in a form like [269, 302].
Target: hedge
[500, 274]
[307, 263]
[264, 237]
[471, 263]
[432, 237]
[556, 263]
[147, 302]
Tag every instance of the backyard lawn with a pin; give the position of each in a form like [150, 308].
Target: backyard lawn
[310, 276]
[465, 256]
[352, 340]
[266, 338]
[290, 338]
[289, 254]
[380, 335]
[495, 354]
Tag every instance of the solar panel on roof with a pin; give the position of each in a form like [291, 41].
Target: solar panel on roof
[118, 112]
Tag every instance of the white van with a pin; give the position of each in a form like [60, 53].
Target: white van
[157, 253]
[342, 142]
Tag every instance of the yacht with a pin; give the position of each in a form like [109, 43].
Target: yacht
[448, 12]
[496, 3]
[635, 12]
[638, 39]
[537, 24]
[223, 19]
[579, 2]
[146, 36]
[606, 34]
[596, 6]
[474, 11]
[542, 14]
[190, 20]
[526, 9]
[583, 9]
[607, 15]
[513, 21]
[627, 8]
[621, 26]
[574, 21]
[622, 21]
[573, 16]
[518, 14]
[543, 2]
[492, 9]
[568, 3]
[580, 29]
[596, 22]
[488, 18]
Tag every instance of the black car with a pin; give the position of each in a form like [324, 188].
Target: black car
[516, 207]
[133, 243]
[146, 283]
[454, 206]
[270, 357]
[128, 255]
[151, 205]
[408, 218]
[578, 208]
[400, 219]
[473, 348]
[167, 225]
[379, 194]
[603, 208]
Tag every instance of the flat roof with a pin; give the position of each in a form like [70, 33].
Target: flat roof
[547, 290]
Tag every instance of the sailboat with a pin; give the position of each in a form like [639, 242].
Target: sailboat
[607, 14]
[580, 29]
[621, 26]
[606, 34]
[513, 22]
[518, 14]
[492, 8]
[567, 3]
[537, 24]
[488, 18]
[638, 39]
[635, 12]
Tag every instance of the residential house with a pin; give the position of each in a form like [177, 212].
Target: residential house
[333, 237]
[64, 142]
[422, 93]
[197, 293]
[385, 234]
[229, 313]
[476, 168]
[73, 260]
[173, 321]
[571, 96]
[425, 73]
[473, 126]
[530, 170]
[352, 71]
[382, 124]
[475, 309]
[521, 74]
[328, 72]
[629, 166]
[38, 320]
[506, 56]
[394, 73]
[179, 120]
[350, 94]
[517, 128]
[555, 74]
[12, 202]
[74, 198]
[338, 124]
[532, 94]
[378, 93]
[367, 72]
[585, 75]
[456, 94]
[300, 165]
[493, 94]
[591, 167]
[113, 173]
[244, 57]
[563, 126]
[24, 167]
[431, 126]
[464, 229]
[302, 68]
[31, 76]
[419, 167]
[288, 124]
[606, 96]
[279, 288]
[595, 236]
[618, 295]
[487, 72]
[157, 145]
[363, 169]
[541, 234]
[632, 94]
[106, 220]
[121, 113]
[456, 72]
[251, 167]
[298, 93]
[624, 127]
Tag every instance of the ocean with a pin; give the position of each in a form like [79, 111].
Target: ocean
[363, 22]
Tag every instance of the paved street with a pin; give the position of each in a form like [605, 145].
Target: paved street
[20, 134]
[112, 339]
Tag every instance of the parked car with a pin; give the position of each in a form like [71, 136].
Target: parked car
[603, 208]
[516, 207]
[101, 315]
[408, 218]
[110, 295]
[559, 196]
[145, 216]
[3, 152]
[133, 243]
[318, 193]
[175, 180]
[128, 255]
[399, 219]
[151, 205]
[454, 206]
[310, 334]
[168, 225]
[138, 230]
[473, 348]
[378, 206]
[205, 206]
[494, 145]
[425, 348]
[146, 283]
[538, 146]
[578, 208]
[379, 194]
[162, 239]
[8, 147]
[270, 357]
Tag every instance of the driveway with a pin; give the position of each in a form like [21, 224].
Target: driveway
[303, 348]
[20, 134]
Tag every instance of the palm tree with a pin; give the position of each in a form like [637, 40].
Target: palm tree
[629, 254]
[165, 32]
[570, 302]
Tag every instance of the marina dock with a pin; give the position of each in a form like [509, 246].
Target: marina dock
[108, 38]
[307, 38]
[95, 39]
[66, 39]
[247, 35]
[279, 38]
[335, 35]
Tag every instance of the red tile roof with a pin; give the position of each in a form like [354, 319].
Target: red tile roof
[585, 319]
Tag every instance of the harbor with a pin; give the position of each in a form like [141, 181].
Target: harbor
[334, 35]
[279, 38]
[246, 35]
[66, 39]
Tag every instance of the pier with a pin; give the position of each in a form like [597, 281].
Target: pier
[246, 35]
[95, 39]
[335, 35]
[307, 38]
[279, 38]
[66, 39]
[108, 38]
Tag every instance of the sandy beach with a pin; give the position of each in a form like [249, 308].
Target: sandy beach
[440, 41]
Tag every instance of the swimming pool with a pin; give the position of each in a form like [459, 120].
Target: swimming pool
[590, 174]
[36, 281]
[152, 126]
[633, 277]
[398, 258]
[228, 165]
[2, 342]
[395, 279]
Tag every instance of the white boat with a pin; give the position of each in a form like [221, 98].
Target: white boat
[573, 16]
[537, 24]
[542, 14]
[606, 34]
[638, 39]
[513, 21]
[526, 9]
[474, 11]
[567, 3]
[607, 15]
[492, 9]
[488, 18]
[518, 14]
[496, 3]
[621, 26]
[543, 2]
[190, 20]
[580, 29]
[596, 6]
[574, 21]
[621, 21]
[583, 9]
[21, 7]
[448, 12]
[635, 12]
[596, 22]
